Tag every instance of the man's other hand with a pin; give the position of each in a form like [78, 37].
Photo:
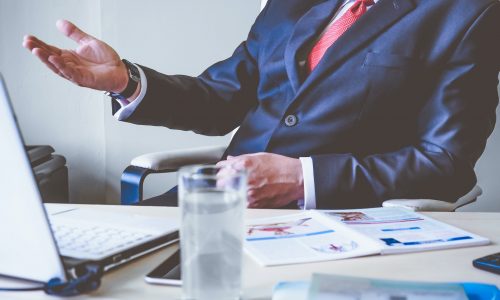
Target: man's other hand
[92, 64]
[273, 180]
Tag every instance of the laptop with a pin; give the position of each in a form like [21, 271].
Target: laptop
[40, 243]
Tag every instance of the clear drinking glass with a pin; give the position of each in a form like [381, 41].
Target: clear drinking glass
[212, 201]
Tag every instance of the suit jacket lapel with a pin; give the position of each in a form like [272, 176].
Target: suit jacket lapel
[305, 30]
[384, 14]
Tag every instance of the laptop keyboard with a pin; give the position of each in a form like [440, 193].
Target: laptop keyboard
[94, 242]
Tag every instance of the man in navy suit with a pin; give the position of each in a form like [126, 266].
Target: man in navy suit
[342, 104]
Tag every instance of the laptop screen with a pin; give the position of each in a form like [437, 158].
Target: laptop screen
[28, 249]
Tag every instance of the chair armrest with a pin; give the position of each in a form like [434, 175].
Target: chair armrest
[435, 205]
[173, 160]
[133, 176]
[44, 170]
[39, 154]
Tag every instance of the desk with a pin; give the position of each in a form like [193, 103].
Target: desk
[127, 282]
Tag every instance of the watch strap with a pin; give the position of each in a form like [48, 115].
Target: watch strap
[134, 78]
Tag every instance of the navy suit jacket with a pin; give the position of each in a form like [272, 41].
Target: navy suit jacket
[400, 106]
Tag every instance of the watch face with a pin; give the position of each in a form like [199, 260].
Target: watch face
[133, 75]
[136, 78]
[133, 72]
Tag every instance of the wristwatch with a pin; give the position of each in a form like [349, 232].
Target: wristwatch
[134, 77]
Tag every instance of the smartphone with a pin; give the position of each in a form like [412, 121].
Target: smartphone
[168, 272]
[488, 263]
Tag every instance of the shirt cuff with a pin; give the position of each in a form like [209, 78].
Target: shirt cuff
[309, 188]
[128, 108]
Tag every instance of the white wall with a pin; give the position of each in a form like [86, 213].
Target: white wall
[172, 36]
[50, 110]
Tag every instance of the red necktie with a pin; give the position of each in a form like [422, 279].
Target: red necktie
[335, 30]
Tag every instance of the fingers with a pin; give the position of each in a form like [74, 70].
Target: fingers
[263, 199]
[31, 42]
[63, 68]
[43, 55]
[253, 201]
[53, 57]
[242, 162]
[44, 52]
[260, 197]
[70, 30]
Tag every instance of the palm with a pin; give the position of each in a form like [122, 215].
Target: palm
[92, 64]
[95, 52]
[93, 61]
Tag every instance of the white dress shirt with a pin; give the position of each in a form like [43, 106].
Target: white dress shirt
[309, 201]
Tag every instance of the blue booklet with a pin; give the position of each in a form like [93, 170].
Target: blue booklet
[340, 287]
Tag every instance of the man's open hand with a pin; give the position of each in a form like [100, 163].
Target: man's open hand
[273, 180]
[92, 64]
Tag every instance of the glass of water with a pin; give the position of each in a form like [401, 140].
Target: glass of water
[212, 200]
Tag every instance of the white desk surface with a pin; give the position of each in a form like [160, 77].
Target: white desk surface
[454, 265]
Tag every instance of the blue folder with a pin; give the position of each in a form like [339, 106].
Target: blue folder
[297, 290]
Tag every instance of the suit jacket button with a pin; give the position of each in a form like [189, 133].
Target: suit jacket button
[291, 120]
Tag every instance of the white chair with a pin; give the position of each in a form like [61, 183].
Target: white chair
[170, 161]
[132, 181]
[435, 205]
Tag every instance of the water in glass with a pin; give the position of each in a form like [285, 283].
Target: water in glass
[211, 243]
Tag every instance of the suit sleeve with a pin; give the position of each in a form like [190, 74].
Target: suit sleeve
[453, 128]
[213, 103]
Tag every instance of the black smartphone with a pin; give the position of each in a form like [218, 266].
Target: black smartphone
[168, 272]
[489, 263]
